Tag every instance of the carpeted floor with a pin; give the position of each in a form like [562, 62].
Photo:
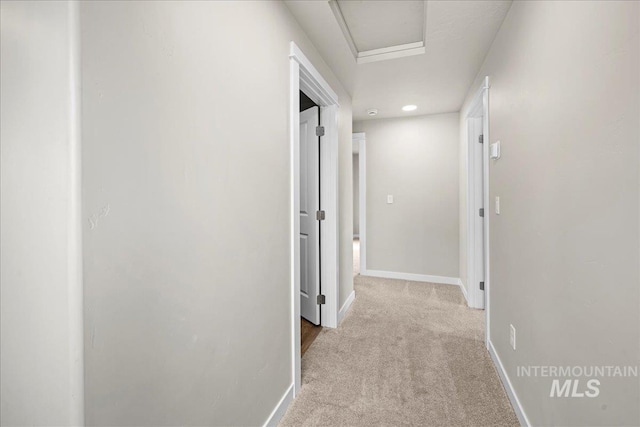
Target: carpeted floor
[407, 353]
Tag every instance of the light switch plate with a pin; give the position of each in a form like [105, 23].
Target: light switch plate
[495, 150]
[512, 336]
[497, 205]
[389, 198]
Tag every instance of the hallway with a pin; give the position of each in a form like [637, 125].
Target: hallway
[408, 353]
[185, 185]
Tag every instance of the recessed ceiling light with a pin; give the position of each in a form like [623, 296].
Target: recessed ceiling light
[372, 112]
[409, 107]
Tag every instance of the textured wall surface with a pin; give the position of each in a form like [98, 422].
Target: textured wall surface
[414, 159]
[565, 104]
[186, 209]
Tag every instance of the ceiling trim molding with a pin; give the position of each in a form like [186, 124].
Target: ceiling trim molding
[335, 8]
[392, 52]
[424, 25]
[385, 53]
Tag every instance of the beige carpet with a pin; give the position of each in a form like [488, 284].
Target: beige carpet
[408, 354]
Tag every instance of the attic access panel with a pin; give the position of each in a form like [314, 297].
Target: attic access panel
[377, 30]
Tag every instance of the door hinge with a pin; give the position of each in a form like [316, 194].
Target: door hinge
[481, 139]
[320, 215]
[319, 130]
[482, 286]
[481, 212]
[321, 299]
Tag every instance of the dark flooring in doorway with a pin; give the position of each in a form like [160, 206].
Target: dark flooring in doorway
[308, 333]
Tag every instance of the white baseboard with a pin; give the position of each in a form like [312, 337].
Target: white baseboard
[463, 288]
[410, 276]
[346, 306]
[280, 409]
[513, 397]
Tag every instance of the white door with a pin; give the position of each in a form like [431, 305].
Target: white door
[309, 224]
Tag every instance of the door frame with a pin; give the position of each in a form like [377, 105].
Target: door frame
[360, 138]
[479, 107]
[305, 77]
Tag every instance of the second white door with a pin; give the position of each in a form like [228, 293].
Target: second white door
[309, 224]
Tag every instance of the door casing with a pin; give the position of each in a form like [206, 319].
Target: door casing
[305, 77]
[477, 121]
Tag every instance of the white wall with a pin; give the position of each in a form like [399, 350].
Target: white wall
[416, 160]
[186, 209]
[40, 281]
[356, 194]
[565, 104]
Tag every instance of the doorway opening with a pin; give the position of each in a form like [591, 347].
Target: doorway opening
[310, 223]
[322, 220]
[359, 203]
[356, 219]
[477, 121]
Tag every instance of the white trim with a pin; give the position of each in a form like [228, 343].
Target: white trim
[511, 393]
[346, 306]
[463, 289]
[281, 408]
[304, 76]
[329, 227]
[444, 280]
[74, 255]
[311, 81]
[335, 8]
[358, 136]
[294, 186]
[390, 49]
[392, 52]
[424, 22]
[479, 106]
[475, 110]
[487, 253]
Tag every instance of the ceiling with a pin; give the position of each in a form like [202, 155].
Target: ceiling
[379, 24]
[456, 38]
